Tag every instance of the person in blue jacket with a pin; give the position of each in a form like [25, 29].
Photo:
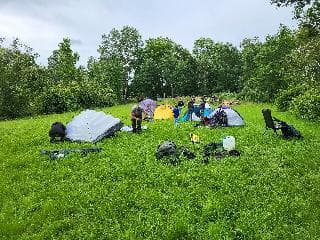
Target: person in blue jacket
[176, 113]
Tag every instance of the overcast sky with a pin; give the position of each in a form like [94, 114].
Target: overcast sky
[41, 24]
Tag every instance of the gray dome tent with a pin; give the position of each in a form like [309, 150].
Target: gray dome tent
[234, 118]
[92, 126]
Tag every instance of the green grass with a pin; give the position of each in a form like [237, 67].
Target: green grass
[270, 192]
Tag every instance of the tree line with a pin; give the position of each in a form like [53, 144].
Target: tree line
[282, 69]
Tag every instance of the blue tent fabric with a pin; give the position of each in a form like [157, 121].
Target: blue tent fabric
[207, 112]
[185, 117]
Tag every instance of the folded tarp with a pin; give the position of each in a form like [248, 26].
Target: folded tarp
[92, 126]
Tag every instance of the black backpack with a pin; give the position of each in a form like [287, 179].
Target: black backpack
[289, 131]
[166, 149]
[57, 132]
[219, 119]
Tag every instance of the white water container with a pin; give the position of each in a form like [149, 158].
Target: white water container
[229, 143]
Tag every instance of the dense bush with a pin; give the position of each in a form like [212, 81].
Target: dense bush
[263, 67]
[92, 94]
[61, 98]
[20, 80]
[307, 105]
[227, 95]
[285, 97]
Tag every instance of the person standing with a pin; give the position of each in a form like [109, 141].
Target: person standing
[202, 107]
[176, 113]
[180, 104]
[191, 108]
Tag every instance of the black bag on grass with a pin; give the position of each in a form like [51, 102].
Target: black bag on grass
[166, 149]
[289, 131]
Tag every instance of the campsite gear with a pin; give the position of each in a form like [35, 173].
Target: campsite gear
[192, 114]
[166, 149]
[148, 105]
[169, 149]
[234, 153]
[163, 112]
[207, 110]
[220, 154]
[271, 123]
[129, 128]
[55, 154]
[209, 149]
[229, 143]
[217, 149]
[57, 132]
[194, 138]
[232, 116]
[186, 153]
[92, 126]
[219, 119]
[288, 131]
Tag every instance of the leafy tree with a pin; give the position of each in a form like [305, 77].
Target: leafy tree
[306, 11]
[249, 51]
[219, 66]
[63, 87]
[122, 45]
[265, 78]
[108, 73]
[303, 79]
[164, 68]
[21, 80]
[62, 63]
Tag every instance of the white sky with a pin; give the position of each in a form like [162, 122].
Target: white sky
[41, 24]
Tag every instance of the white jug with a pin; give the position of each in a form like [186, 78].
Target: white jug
[229, 143]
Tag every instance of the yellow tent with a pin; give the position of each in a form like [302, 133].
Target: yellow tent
[163, 112]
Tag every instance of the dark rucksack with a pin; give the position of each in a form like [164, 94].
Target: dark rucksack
[166, 149]
[219, 119]
[171, 154]
[57, 132]
[289, 131]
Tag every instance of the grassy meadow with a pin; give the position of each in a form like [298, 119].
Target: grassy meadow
[272, 191]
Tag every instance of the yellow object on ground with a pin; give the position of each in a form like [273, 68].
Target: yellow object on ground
[194, 138]
[163, 112]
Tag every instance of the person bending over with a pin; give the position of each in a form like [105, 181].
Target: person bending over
[136, 118]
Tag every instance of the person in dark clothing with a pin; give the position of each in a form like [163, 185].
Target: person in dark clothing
[180, 103]
[57, 132]
[176, 113]
[202, 107]
[136, 118]
[191, 108]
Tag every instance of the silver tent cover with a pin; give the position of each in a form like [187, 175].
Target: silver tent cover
[234, 118]
[92, 126]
